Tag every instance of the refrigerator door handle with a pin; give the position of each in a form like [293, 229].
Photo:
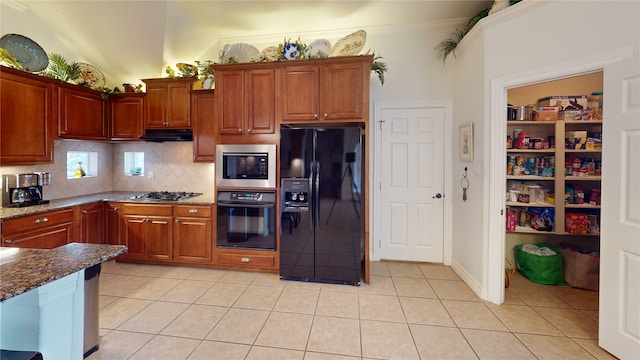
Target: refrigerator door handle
[312, 198]
[317, 194]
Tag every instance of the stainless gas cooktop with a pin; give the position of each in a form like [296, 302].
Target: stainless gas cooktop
[165, 195]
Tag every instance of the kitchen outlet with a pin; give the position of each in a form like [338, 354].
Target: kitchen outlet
[149, 175]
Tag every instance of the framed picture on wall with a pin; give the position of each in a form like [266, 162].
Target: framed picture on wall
[465, 142]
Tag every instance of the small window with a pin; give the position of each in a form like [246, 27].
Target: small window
[133, 163]
[82, 164]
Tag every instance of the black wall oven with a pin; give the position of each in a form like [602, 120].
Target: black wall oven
[246, 165]
[246, 219]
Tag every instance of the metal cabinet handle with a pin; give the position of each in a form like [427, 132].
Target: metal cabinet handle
[116, 208]
[245, 259]
[249, 130]
[177, 221]
[38, 221]
[193, 211]
[326, 115]
[239, 130]
[85, 212]
[8, 241]
[315, 116]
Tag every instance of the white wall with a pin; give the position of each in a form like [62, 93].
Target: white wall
[524, 39]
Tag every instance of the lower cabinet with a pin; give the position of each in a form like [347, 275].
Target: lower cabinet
[253, 259]
[192, 233]
[41, 231]
[91, 221]
[113, 224]
[147, 231]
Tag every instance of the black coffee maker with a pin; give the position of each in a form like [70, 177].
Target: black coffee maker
[19, 190]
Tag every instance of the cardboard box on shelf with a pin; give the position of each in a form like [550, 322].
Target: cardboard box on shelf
[547, 116]
[575, 115]
[576, 223]
[566, 102]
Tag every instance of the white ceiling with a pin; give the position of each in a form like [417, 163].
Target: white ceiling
[137, 39]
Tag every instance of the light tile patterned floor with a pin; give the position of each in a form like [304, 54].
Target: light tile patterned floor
[409, 311]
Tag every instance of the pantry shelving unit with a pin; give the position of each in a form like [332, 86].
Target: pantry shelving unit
[559, 180]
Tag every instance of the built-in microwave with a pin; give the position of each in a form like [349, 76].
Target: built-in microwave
[246, 165]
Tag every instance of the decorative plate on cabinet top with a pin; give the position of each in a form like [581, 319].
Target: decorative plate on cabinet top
[320, 48]
[270, 53]
[187, 70]
[350, 45]
[90, 76]
[291, 51]
[239, 53]
[26, 51]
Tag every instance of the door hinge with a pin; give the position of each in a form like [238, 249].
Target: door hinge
[380, 122]
[502, 212]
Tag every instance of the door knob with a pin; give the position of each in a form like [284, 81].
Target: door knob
[437, 196]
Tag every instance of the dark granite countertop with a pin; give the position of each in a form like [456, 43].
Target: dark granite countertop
[121, 196]
[28, 269]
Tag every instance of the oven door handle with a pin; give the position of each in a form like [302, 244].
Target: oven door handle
[245, 205]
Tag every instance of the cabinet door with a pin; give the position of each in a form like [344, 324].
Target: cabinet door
[343, 92]
[159, 235]
[192, 240]
[230, 101]
[155, 106]
[113, 224]
[27, 109]
[300, 93]
[47, 238]
[126, 117]
[179, 105]
[81, 114]
[135, 237]
[260, 106]
[204, 129]
[92, 223]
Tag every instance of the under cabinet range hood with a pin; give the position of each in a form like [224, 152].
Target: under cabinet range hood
[161, 135]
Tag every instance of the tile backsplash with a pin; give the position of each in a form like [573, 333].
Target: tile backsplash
[171, 164]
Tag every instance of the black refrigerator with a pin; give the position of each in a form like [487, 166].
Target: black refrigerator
[321, 202]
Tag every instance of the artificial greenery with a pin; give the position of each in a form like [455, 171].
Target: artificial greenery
[448, 46]
[379, 67]
[59, 68]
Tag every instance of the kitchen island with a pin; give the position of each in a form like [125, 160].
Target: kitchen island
[42, 297]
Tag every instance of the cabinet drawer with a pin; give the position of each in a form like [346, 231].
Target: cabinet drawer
[192, 211]
[147, 209]
[248, 260]
[36, 221]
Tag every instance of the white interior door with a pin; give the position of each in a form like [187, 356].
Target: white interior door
[619, 326]
[411, 184]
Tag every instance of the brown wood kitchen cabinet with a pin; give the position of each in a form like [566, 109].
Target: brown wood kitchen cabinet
[334, 89]
[204, 126]
[114, 224]
[245, 99]
[82, 113]
[192, 233]
[126, 116]
[90, 220]
[167, 103]
[45, 230]
[148, 231]
[27, 110]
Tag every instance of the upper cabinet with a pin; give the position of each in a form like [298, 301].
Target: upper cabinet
[82, 113]
[204, 127]
[126, 114]
[245, 99]
[27, 110]
[168, 103]
[333, 89]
